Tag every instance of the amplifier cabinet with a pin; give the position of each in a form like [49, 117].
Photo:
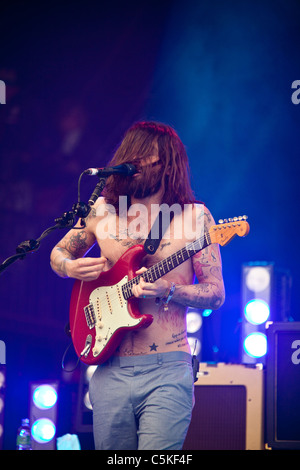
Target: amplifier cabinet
[2, 393]
[228, 410]
[283, 386]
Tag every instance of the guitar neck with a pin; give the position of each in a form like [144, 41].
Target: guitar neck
[168, 264]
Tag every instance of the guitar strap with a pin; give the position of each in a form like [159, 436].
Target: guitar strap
[151, 245]
[155, 235]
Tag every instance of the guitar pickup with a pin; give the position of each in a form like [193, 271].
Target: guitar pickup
[90, 316]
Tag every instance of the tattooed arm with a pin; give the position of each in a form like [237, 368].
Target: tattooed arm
[209, 293]
[67, 257]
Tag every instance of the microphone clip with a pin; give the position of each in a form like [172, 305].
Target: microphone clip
[67, 220]
[81, 209]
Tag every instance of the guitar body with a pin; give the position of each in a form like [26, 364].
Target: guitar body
[99, 314]
[102, 311]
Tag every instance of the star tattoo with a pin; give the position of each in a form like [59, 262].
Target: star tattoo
[153, 347]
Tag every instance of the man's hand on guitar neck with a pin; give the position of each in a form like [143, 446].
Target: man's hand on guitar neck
[146, 290]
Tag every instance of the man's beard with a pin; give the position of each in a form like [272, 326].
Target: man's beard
[138, 188]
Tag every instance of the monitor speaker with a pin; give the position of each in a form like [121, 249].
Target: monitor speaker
[2, 388]
[283, 386]
[2, 393]
[228, 410]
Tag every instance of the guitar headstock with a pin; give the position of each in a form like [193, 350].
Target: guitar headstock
[227, 229]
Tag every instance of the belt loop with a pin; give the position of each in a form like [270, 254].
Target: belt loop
[159, 359]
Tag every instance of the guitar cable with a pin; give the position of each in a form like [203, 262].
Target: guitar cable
[84, 352]
[195, 364]
[64, 358]
[68, 333]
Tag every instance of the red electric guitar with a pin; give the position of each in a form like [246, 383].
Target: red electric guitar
[102, 311]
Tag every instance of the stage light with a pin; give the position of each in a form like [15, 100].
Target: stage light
[207, 312]
[255, 345]
[44, 397]
[258, 278]
[83, 415]
[87, 402]
[43, 414]
[194, 326]
[257, 311]
[90, 372]
[43, 430]
[193, 321]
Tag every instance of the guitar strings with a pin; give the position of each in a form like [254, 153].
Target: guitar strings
[164, 264]
[154, 272]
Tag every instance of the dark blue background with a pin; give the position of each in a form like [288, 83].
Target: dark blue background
[220, 73]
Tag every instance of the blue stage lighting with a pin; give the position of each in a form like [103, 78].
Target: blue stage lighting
[194, 325]
[255, 344]
[43, 414]
[43, 430]
[257, 311]
[207, 312]
[44, 397]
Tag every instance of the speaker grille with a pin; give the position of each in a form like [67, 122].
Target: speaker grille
[219, 418]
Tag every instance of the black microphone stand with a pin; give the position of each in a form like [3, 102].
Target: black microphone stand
[67, 220]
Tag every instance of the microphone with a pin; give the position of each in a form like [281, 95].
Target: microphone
[96, 193]
[126, 169]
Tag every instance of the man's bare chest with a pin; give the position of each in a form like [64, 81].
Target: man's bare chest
[114, 239]
[114, 247]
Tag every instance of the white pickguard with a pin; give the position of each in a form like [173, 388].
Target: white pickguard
[111, 313]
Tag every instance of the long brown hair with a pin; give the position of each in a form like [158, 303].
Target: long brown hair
[138, 143]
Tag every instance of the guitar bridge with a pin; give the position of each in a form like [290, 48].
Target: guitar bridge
[90, 316]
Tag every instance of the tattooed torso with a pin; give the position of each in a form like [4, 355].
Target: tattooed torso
[168, 329]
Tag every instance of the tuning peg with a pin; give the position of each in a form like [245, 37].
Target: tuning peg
[225, 221]
[245, 217]
[220, 221]
[235, 219]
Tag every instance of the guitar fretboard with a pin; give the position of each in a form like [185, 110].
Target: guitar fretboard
[168, 264]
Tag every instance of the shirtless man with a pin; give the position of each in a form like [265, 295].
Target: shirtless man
[142, 396]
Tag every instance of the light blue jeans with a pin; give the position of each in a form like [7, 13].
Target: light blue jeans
[142, 402]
